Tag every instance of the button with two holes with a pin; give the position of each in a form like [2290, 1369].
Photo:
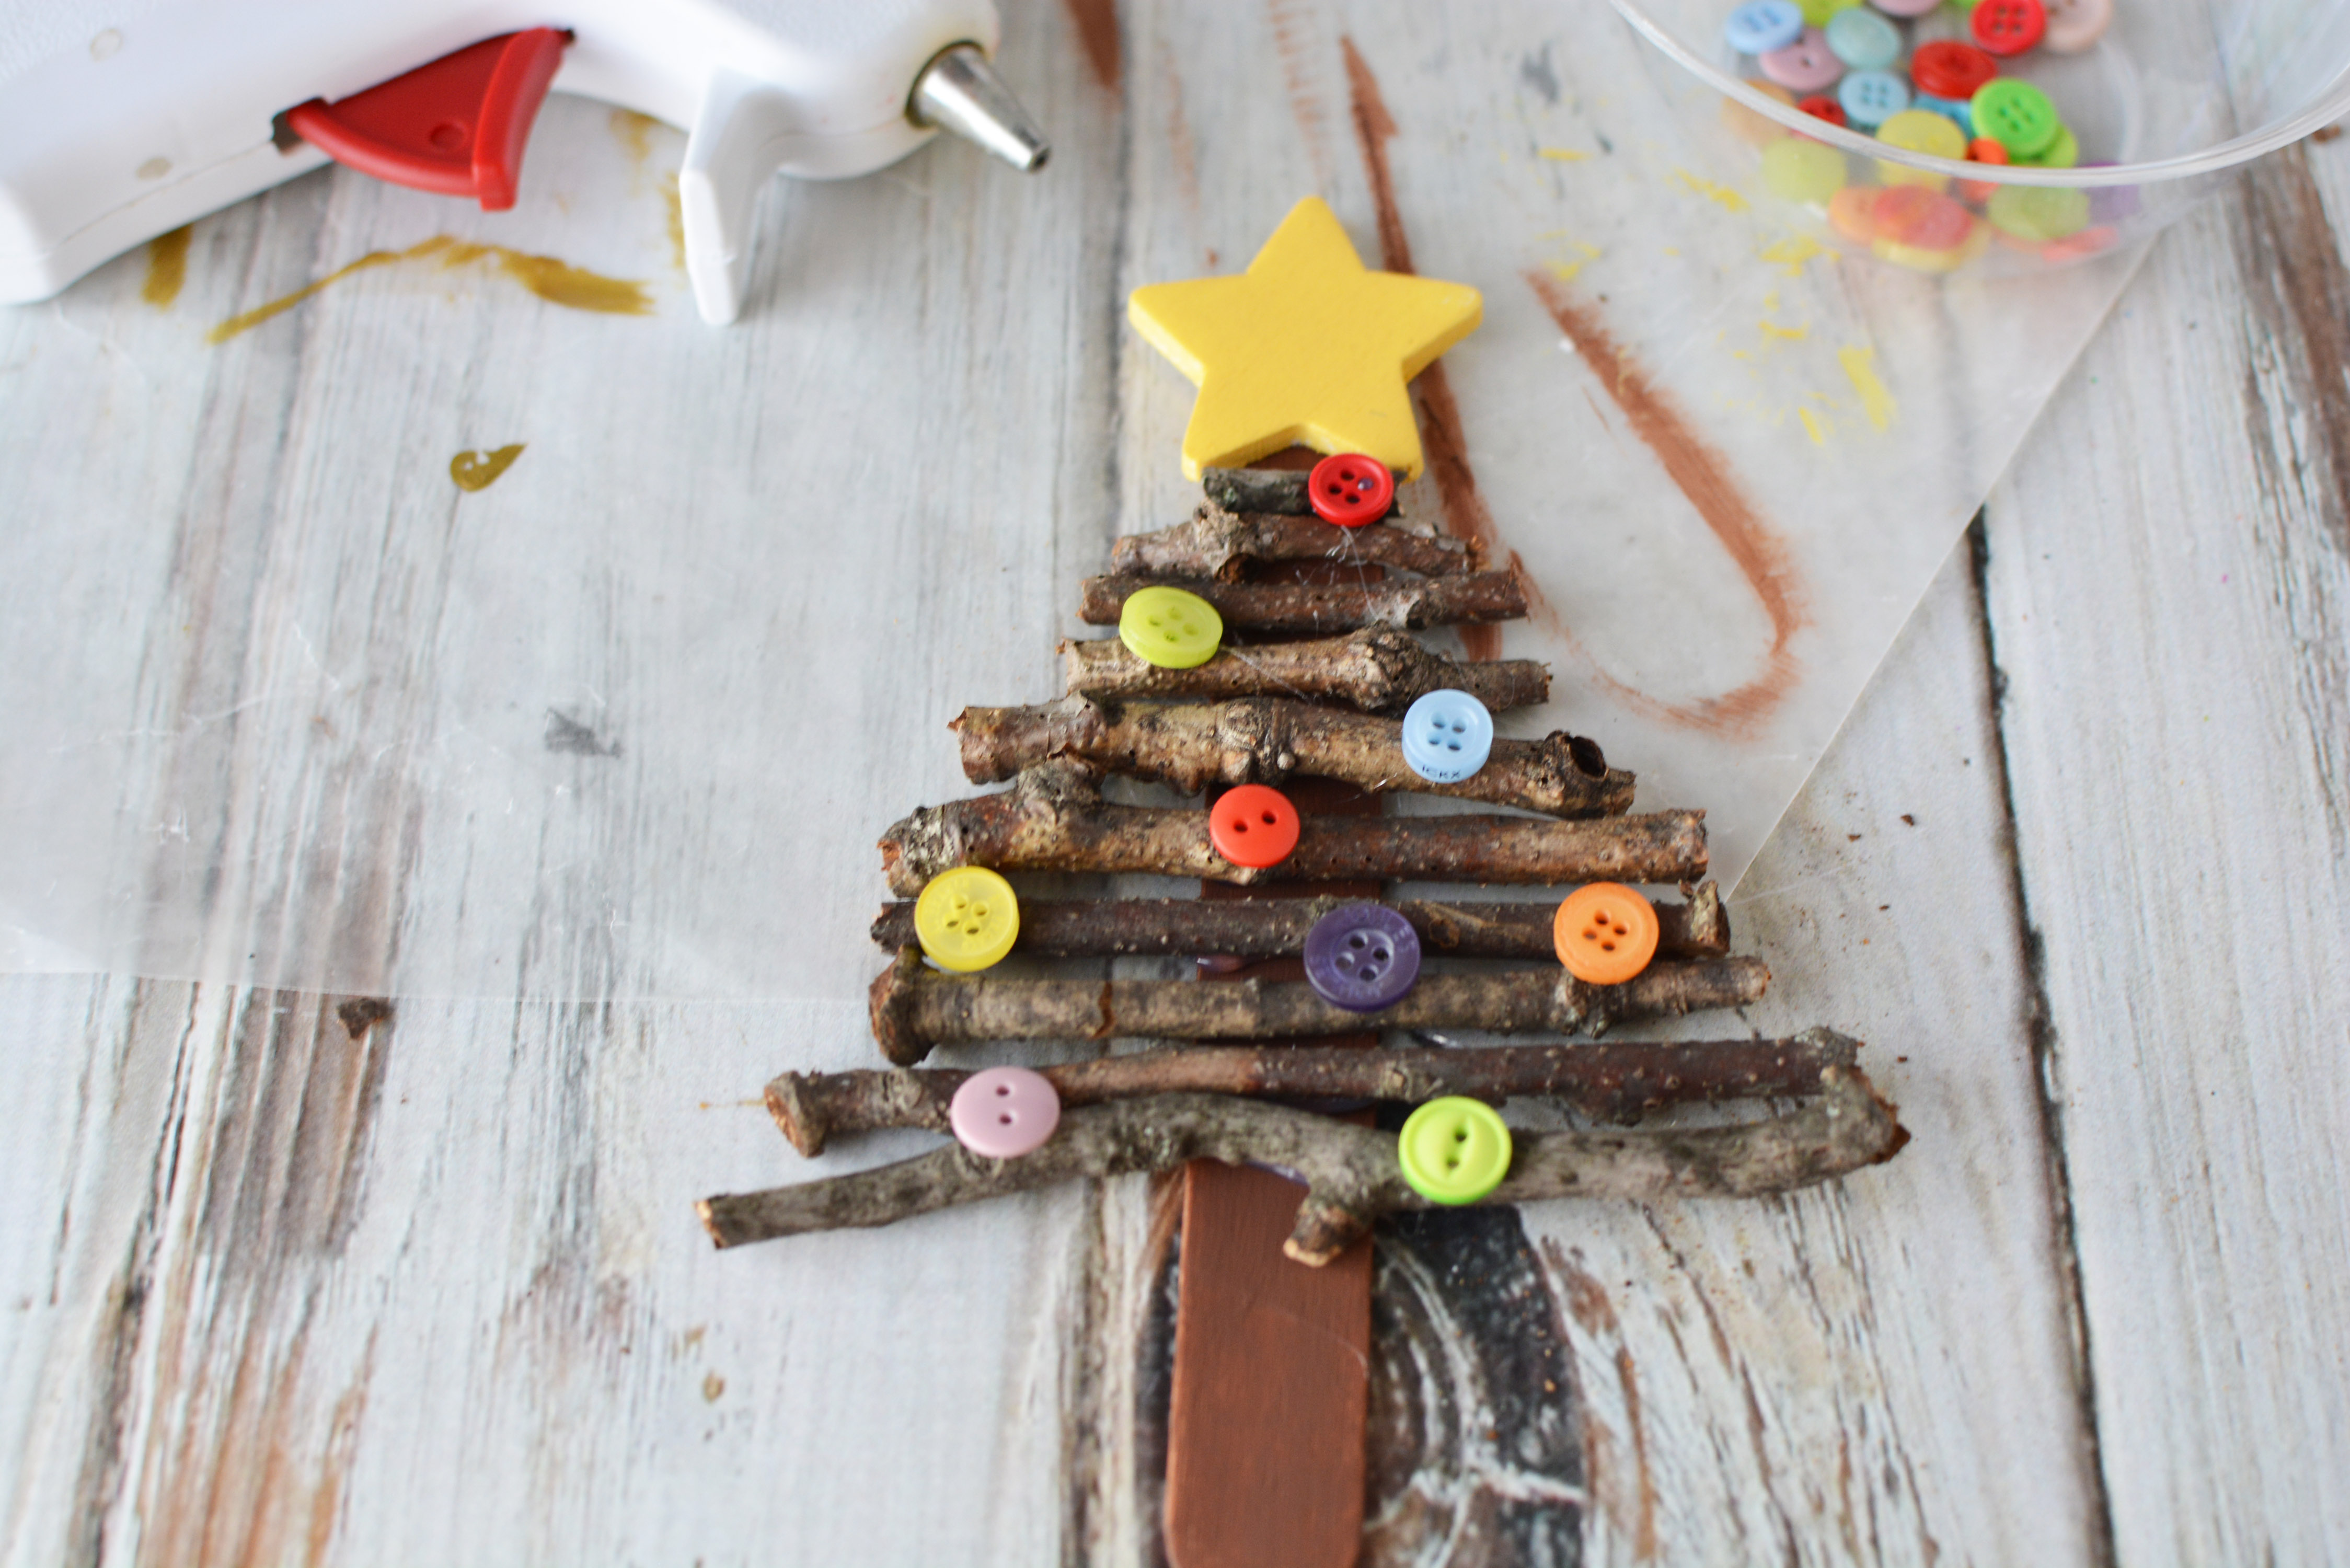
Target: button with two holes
[1606, 933]
[1362, 957]
[1447, 736]
[1350, 490]
[1002, 1113]
[967, 919]
[1169, 628]
[1252, 826]
[1454, 1149]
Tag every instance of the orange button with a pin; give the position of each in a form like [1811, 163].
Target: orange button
[1606, 932]
[1252, 826]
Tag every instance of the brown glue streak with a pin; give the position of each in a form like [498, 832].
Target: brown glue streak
[167, 267]
[1096, 25]
[1704, 477]
[554, 281]
[1466, 515]
[480, 469]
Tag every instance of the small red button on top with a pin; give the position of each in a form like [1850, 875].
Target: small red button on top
[1820, 106]
[1945, 68]
[2008, 26]
[1350, 489]
[1252, 826]
[456, 126]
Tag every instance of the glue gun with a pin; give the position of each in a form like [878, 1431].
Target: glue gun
[122, 120]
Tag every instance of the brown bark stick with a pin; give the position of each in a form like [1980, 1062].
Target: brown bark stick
[1264, 739]
[1281, 490]
[915, 1009]
[1306, 609]
[1350, 1172]
[1053, 819]
[1377, 669]
[1181, 927]
[1215, 543]
[1612, 1082]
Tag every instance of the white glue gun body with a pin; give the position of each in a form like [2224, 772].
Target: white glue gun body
[122, 121]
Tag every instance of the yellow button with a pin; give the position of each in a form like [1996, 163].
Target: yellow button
[1921, 130]
[1169, 628]
[1454, 1149]
[967, 919]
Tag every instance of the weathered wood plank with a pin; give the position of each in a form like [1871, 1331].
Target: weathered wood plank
[2170, 594]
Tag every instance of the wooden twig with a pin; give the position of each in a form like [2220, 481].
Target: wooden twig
[1377, 669]
[1217, 544]
[1053, 819]
[1117, 927]
[1612, 1082]
[1281, 490]
[1305, 609]
[1350, 1172]
[915, 1009]
[1264, 739]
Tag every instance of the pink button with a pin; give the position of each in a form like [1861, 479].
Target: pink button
[1001, 1113]
[2076, 24]
[1906, 7]
[1806, 65]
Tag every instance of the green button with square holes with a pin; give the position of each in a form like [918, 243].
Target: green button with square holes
[967, 918]
[1169, 628]
[1454, 1150]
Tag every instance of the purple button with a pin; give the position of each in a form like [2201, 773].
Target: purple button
[1362, 957]
[2111, 203]
[1001, 1113]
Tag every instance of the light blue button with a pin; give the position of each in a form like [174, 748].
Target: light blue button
[1872, 97]
[1762, 26]
[1948, 108]
[1863, 39]
[1447, 735]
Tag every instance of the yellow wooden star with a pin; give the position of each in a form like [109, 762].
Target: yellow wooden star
[1306, 347]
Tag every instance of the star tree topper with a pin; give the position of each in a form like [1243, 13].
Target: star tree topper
[1307, 348]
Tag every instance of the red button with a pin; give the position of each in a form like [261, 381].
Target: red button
[1350, 490]
[1923, 219]
[1949, 69]
[1822, 107]
[2008, 26]
[1252, 826]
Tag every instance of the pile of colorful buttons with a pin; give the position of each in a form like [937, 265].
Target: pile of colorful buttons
[1882, 67]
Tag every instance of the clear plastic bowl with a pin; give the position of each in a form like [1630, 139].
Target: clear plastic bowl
[2173, 94]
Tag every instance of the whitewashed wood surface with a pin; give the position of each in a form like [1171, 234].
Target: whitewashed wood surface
[279, 1283]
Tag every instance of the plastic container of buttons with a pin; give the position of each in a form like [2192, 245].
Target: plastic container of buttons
[2002, 136]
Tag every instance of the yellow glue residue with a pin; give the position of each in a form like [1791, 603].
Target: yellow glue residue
[1730, 200]
[556, 282]
[1773, 329]
[1860, 368]
[167, 267]
[1794, 252]
[1562, 154]
[1818, 427]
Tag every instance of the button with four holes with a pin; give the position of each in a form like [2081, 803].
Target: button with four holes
[1001, 1113]
[1362, 957]
[1863, 39]
[1454, 1149]
[1948, 69]
[967, 919]
[2075, 24]
[1447, 735]
[1252, 826]
[1350, 490]
[1606, 933]
[1760, 27]
[2008, 26]
[1807, 65]
[2016, 115]
[1169, 628]
[1872, 97]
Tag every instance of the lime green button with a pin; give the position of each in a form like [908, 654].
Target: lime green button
[2064, 153]
[1818, 12]
[2038, 213]
[967, 919]
[1797, 169]
[1454, 1150]
[1169, 628]
[2016, 115]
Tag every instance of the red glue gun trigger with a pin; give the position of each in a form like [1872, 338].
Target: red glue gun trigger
[456, 126]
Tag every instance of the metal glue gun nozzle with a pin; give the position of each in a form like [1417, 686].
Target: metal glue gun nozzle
[960, 91]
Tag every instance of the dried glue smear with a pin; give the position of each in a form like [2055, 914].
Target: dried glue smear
[285, 705]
